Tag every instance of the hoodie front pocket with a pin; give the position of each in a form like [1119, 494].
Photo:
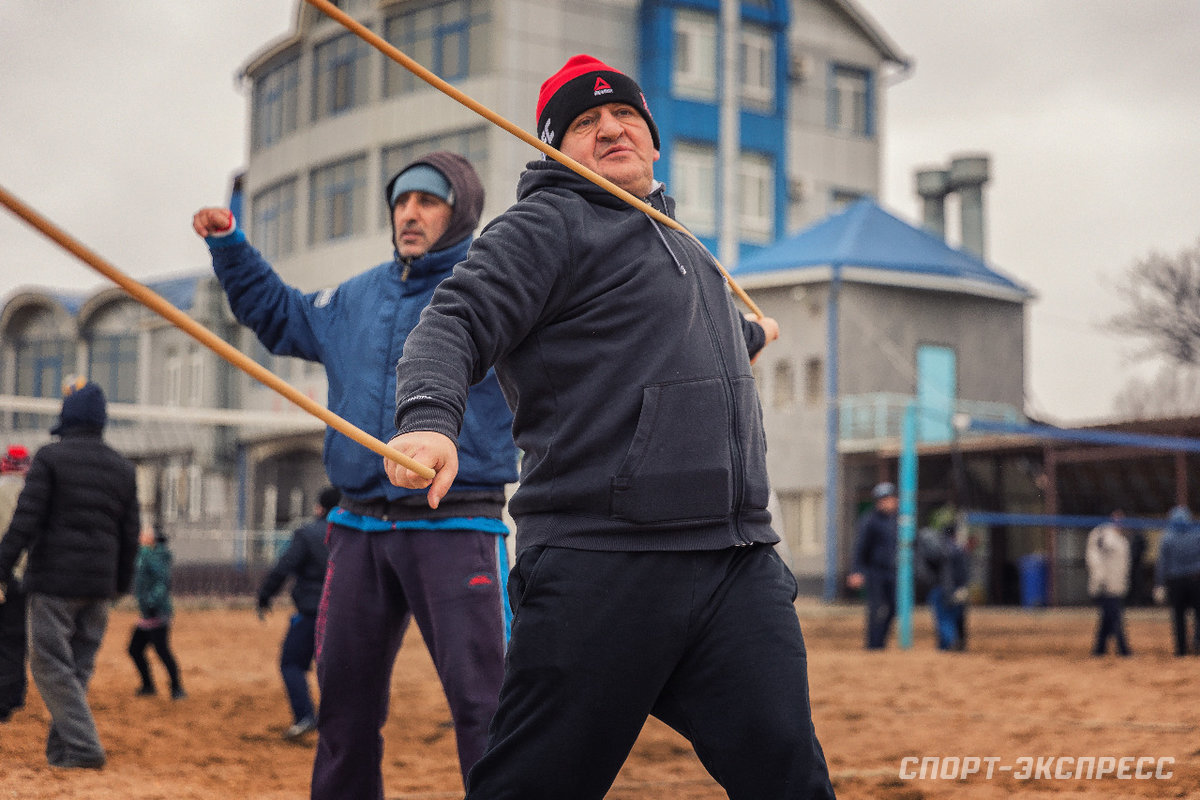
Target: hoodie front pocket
[678, 464]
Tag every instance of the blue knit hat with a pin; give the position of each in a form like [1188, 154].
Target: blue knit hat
[883, 490]
[422, 178]
[83, 406]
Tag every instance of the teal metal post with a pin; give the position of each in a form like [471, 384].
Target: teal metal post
[906, 525]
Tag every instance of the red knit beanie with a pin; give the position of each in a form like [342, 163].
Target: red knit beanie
[582, 83]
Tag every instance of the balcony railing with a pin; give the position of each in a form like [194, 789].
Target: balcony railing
[866, 419]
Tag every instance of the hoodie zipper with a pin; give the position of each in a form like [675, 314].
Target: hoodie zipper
[735, 443]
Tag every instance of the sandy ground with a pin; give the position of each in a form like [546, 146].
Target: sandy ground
[1026, 695]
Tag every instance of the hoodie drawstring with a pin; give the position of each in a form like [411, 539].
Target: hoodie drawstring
[675, 258]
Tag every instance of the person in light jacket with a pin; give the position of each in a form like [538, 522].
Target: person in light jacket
[1107, 557]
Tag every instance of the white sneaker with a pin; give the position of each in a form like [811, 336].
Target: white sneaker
[300, 728]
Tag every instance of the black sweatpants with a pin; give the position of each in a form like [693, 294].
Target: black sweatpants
[14, 652]
[706, 641]
[160, 639]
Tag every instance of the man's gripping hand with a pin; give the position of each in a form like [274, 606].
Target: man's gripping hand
[770, 328]
[434, 450]
[210, 221]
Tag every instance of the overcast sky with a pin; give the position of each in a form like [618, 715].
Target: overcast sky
[117, 124]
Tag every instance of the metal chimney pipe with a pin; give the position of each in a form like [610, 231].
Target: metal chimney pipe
[968, 174]
[932, 188]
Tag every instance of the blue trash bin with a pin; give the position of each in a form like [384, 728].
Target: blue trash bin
[1032, 573]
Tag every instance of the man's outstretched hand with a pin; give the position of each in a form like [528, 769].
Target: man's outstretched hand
[434, 450]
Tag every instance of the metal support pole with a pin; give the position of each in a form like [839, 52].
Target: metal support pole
[906, 526]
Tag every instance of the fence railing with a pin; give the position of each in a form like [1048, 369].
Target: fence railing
[872, 417]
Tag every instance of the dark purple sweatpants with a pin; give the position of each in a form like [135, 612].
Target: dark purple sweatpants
[451, 582]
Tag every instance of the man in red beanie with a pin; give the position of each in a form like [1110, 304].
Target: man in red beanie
[646, 579]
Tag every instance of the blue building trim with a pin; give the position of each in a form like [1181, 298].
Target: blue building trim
[690, 120]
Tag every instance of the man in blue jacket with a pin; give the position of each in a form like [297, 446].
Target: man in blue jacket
[305, 559]
[646, 580]
[391, 556]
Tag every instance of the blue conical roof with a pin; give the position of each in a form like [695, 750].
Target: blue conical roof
[865, 235]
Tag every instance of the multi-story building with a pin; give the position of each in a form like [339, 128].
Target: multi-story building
[771, 116]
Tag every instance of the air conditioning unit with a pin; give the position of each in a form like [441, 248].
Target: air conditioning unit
[797, 190]
[802, 67]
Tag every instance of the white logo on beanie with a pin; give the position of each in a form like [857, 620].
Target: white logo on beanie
[547, 134]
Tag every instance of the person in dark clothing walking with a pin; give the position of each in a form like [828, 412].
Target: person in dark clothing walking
[646, 579]
[1137, 594]
[14, 651]
[874, 565]
[152, 590]
[78, 519]
[1177, 578]
[392, 559]
[950, 572]
[305, 560]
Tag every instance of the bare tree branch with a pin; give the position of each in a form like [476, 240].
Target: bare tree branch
[1162, 298]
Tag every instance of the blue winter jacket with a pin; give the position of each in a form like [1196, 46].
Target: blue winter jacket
[357, 331]
[875, 545]
[1178, 552]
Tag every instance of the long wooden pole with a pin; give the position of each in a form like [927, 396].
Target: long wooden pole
[382, 45]
[156, 303]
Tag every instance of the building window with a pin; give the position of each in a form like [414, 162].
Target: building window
[470, 143]
[694, 179]
[195, 484]
[296, 504]
[270, 517]
[113, 361]
[276, 105]
[273, 220]
[756, 193]
[170, 493]
[195, 383]
[800, 526]
[214, 496]
[814, 381]
[809, 522]
[41, 366]
[450, 39]
[339, 76]
[850, 101]
[173, 380]
[783, 385]
[338, 202]
[757, 57]
[695, 68]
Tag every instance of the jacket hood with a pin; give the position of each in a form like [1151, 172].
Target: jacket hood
[468, 196]
[83, 409]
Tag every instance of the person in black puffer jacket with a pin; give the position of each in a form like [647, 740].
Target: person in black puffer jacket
[78, 518]
[306, 558]
[13, 649]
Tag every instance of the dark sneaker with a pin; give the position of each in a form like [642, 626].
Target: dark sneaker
[96, 762]
[300, 728]
[178, 693]
[145, 691]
